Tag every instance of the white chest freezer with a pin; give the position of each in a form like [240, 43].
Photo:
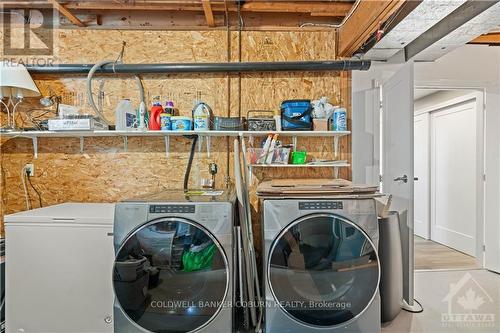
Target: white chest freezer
[59, 263]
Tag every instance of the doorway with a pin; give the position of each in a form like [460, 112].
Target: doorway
[448, 164]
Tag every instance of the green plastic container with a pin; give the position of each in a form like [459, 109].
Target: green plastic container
[299, 157]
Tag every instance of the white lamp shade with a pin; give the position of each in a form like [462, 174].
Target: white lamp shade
[15, 80]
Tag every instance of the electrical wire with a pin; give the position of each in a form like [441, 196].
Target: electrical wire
[385, 26]
[190, 162]
[227, 177]
[419, 311]
[353, 9]
[240, 27]
[26, 195]
[36, 191]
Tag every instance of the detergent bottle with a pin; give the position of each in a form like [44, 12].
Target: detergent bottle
[201, 117]
[154, 116]
[166, 116]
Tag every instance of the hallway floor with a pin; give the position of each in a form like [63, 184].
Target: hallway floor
[470, 307]
[430, 255]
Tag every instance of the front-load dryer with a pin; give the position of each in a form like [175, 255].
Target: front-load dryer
[173, 265]
[321, 268]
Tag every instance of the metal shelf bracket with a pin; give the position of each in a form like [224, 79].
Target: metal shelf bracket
[336, 147]
[208, 146]
[82, 142]
[167, 146]
[35, 147]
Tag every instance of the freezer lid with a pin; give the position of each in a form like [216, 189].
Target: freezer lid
[174, 196]
[77, 213]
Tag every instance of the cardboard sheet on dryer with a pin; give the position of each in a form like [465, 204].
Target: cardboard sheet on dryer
[312, 187]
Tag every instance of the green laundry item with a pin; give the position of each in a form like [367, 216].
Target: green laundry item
[195, 261]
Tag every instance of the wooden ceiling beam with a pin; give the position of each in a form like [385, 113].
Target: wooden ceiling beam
[364, 21]
[316, 8]
[40, 4]
[75, 20]
[329, 8]
[488, 39]
[209, 15]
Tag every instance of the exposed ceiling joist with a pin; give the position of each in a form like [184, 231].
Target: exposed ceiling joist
[444, 29]
[186, 14]
[364, 21]
[209, 15]
[425, 15]
[325, 8]
[75, 20]
[319, 8]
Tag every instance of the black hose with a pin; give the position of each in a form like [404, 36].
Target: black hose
[36, 191]
[190, 161]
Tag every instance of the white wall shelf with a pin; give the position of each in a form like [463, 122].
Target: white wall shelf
[339, 165]
[34, 135]
[76, 134]
[334, 166]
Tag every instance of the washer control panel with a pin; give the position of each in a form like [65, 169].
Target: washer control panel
[320, 205]
[176, 209]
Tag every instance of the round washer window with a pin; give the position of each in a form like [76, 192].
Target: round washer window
[171, 275]
[323, 270]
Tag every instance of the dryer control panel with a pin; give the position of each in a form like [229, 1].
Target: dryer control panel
[320, 205]
[175, 209]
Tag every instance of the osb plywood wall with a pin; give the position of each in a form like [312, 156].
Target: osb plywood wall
[106, 172]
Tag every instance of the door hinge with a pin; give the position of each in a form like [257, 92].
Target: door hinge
[484, 248]
[484, 177]
[380, 178]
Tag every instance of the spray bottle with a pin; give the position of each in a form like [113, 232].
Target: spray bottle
[142, 116]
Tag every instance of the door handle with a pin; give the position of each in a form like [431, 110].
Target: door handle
[403, 179]
[415, 178]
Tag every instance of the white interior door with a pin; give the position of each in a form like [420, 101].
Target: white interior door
[454, 177]
[422, 177]
[365, 128]
[397, 159]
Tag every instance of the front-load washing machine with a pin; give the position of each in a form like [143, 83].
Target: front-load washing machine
[173, 265]
[321, 268]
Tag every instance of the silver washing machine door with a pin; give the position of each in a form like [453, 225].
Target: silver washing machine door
[323, 270]
[171, 275]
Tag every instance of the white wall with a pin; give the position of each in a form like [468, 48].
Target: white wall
[476, 66]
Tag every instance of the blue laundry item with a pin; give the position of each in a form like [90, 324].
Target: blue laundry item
[296, 115]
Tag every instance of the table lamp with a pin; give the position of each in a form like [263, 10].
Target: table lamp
[15, 83]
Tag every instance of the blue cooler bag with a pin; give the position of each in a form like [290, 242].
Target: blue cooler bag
[296, 115]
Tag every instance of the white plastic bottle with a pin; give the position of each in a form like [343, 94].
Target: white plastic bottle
[125, 116]
[277, 120]
[142, 117]
[201, 117]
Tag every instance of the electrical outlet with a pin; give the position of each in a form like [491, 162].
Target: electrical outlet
[30, 169]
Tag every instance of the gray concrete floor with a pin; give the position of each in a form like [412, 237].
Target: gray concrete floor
[474, 303]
